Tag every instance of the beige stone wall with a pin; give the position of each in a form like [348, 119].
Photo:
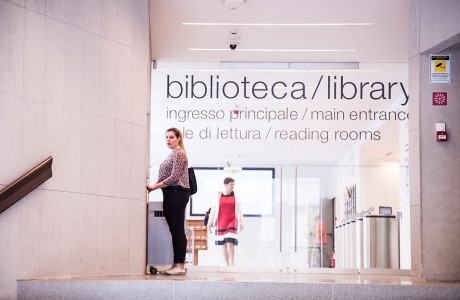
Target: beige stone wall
[434, 167]
[74, 84]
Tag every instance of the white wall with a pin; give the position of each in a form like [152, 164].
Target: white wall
[74, 84]
[380, 184]
[347, 174]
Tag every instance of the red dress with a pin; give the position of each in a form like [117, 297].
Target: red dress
[227, 223]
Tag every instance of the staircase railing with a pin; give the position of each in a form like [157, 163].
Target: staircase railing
[25, 184]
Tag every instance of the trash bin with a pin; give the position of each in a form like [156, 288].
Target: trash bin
[348, 245]
[380, 242]
[341, 248]
[337, 247]
[159, 245]
[359, 242]
[352, 237]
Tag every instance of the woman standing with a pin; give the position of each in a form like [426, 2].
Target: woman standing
[321, 242]
[226, 215]
[173, 181]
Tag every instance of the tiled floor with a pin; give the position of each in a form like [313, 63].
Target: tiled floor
[234, 283]
[269, 275]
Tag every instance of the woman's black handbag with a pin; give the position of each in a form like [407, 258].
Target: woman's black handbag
[206, 217]
[192, 181]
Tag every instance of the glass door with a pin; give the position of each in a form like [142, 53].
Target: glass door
[308, 214]
[281, 228]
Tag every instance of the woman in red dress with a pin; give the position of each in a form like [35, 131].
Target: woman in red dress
[226, 216]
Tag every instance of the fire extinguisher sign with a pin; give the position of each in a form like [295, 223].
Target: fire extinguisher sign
[439, 68]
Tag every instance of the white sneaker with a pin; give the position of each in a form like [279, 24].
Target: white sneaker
[176, 271]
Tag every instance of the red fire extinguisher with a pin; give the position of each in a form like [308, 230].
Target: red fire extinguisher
[333, 259]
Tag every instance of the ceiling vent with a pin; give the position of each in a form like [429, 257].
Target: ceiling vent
[233, 4]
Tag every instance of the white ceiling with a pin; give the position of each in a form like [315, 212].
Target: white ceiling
[386, 41]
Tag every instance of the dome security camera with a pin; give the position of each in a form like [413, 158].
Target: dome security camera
[233, 39]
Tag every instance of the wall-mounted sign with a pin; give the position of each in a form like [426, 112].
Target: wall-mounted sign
[439, 68]
[439, 98]
[289, 116]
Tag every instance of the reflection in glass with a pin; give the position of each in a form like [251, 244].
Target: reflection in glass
[291, 226]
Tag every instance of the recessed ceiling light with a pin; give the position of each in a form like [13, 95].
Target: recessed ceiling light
[209, 49]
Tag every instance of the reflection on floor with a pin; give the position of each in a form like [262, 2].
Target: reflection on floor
[241, 283]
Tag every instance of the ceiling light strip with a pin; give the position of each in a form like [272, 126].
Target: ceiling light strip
[276, 24]
[274, 50]
[327, 24]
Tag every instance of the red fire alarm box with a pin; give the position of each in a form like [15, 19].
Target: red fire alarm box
[441, 133]
[441, 136]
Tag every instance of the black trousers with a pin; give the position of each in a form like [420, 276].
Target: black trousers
[175, 200]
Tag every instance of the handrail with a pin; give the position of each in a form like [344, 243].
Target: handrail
[25, 184]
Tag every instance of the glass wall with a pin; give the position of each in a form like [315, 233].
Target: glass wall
[336, 140]
[290, 212]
